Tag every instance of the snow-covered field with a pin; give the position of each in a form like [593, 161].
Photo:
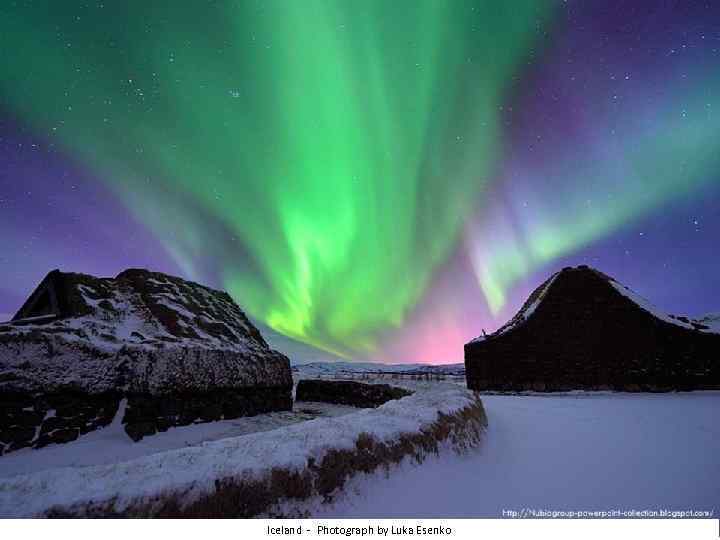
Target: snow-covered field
[584, 451]
[587, 451]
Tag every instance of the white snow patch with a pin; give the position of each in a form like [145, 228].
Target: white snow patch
[119, 415]
[583, 451]
[49, 414]
[712, 320]
[655, 312]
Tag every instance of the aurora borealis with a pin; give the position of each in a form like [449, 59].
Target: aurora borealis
[380, 180]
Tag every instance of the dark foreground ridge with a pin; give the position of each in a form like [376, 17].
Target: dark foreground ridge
[581, 329]
[161, 350]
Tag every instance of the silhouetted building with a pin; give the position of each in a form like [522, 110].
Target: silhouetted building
[581, 329]
[171, 351]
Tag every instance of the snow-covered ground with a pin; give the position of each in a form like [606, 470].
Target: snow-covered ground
[588, 451]
[194, 469]
[585, 451]
[111, 445]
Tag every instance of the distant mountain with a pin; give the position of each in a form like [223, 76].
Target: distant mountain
[331, 369]
[582, 329]
[311, 361]
[298, 352]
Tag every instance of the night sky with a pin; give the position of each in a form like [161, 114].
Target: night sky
[380, 180]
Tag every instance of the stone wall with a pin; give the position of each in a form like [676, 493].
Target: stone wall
[348, 392]
[586, 335]
[36, 419]
[146, 415]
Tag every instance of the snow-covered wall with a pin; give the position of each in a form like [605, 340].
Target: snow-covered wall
[444, 414]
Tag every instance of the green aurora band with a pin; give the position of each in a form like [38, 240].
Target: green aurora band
[324, 156]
